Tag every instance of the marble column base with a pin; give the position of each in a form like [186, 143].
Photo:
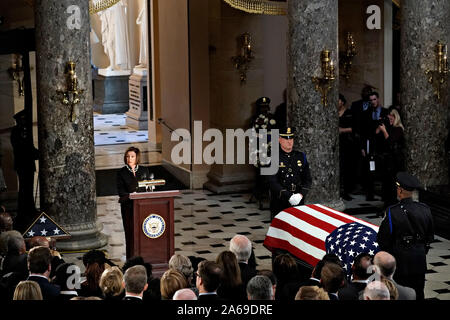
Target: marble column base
[83, 238]
[230, 183]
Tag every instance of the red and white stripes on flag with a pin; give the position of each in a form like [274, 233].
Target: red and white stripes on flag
[302, 230]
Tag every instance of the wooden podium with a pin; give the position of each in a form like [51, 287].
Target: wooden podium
[153, 228]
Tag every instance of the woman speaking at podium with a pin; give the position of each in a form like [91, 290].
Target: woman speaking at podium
[127, 182]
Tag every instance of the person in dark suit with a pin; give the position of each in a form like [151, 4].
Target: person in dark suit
[39, 264]
[127, 182]
[135, 283]
[332, 279]
[25, 155]
[290, 185]
[63, 278]
[354, 289]
[406, 232]
[386, 266]
[241, 246]
[208, 279]
[372, 142]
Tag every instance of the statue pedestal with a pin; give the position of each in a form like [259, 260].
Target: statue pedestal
[111, 91]
[137, 112]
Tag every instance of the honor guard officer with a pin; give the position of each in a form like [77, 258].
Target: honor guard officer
[406, 232]
[289, 186]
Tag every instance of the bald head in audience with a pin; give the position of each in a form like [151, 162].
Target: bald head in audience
[386, 264]
[184, 294]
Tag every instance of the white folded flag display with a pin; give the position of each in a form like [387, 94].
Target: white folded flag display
[302, 230]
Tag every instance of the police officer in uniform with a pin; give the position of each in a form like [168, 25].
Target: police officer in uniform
[290, 185]
[406, 232]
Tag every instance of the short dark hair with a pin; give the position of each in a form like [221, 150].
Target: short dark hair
[359, 269]
[341, 96]
[39, 259]
[210, 273]
[374, 93]
[135, 150]
[332, 277]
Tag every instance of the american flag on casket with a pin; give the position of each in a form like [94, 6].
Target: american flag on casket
[303, 232]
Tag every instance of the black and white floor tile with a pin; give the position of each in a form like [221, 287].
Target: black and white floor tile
[110, 129]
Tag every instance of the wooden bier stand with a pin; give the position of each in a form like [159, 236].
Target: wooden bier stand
[153, 228]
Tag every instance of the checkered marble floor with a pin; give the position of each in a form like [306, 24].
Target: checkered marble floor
[205, 222]
[111, 129]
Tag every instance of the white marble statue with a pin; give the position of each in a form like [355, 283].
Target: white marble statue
[143, 47]
[115, 36]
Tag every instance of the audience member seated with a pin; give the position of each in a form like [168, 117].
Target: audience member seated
[260, 288]
[27, 290]
[135, 283]
[332, 279]
[311, 293]
[360, 274]
[393, 292]
[184, 294]
[386, 265]
[208, 278]
[44, 242]
[231, 287]
[111, 284]
[94, 262]
[269, 274]
[6, 222]
[86, 298]
[171, 281]
[376, 290]
[66, 278]
[39, 264]
[183, 265]
[241, 246]
[285, 269]
[14, 264]
[153, 291]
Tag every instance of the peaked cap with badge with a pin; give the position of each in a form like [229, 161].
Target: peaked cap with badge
[293, 177]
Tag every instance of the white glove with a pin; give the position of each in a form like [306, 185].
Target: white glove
[295, 199]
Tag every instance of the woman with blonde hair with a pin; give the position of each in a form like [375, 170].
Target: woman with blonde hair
[27, 290]
[393, 159]
[171, 281]
[111, 284]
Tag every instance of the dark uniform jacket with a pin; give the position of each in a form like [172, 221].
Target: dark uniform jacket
[406, 232]
[293, 176]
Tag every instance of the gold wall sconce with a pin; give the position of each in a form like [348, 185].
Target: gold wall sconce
[241, 62]
[323, 84]
[72, 93]
[346, 57]
[16, 73]
[438, 77]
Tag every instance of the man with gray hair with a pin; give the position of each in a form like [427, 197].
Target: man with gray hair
[260, 288]
[376, 290]
[386, 265]
[241, 246]
[135, 283]
[184, 294]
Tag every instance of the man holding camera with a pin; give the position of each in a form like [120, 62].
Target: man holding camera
[372, 142]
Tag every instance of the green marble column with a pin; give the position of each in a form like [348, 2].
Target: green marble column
[67, 155]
